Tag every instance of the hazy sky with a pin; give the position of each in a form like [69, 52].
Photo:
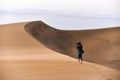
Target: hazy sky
[71, 9]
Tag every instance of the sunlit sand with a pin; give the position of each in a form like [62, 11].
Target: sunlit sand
[23, 58]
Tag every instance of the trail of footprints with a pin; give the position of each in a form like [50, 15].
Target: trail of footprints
[106, 74]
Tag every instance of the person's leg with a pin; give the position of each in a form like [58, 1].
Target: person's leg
[78, 57]
[78, 60]
[81, 61]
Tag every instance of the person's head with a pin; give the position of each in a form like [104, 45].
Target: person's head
[79, 43]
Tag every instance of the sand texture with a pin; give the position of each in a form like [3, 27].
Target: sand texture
[101, 46]
[24, 58]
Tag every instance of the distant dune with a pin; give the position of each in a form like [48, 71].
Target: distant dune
[101, 46]
[24, 58]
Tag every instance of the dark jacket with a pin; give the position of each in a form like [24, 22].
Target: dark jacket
[79, 48]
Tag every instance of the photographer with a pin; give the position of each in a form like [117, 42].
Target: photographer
[80, 51]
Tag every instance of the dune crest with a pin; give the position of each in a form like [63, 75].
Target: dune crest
[101, 46]
[22, 57]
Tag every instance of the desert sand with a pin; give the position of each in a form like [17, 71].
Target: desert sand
[24, 58]
[101, 46]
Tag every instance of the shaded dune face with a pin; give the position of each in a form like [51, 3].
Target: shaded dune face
[100, 46]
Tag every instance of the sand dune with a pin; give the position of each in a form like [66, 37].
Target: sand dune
[23, 58]
[101, 46]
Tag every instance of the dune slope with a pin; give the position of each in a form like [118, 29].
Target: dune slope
[23, 58]
[101, 46]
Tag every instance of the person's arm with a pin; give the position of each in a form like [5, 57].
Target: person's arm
[76, 47]
[82, 49]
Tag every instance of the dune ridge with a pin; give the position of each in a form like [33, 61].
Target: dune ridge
[23, 58]
[101, 46]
